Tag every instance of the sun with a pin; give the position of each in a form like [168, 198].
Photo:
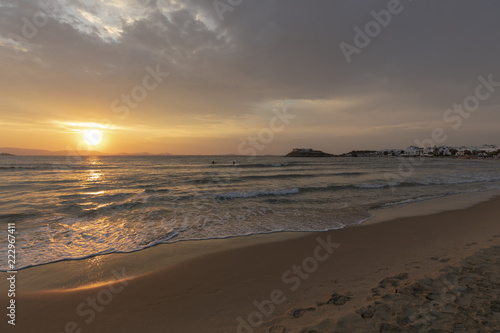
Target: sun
[92, 137]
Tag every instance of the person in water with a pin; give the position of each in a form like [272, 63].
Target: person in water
[213, 162]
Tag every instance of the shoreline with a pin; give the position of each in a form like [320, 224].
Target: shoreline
[141, 261]
[431, 206]
[211, 292]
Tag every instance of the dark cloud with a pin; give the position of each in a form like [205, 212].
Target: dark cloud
[426, 59]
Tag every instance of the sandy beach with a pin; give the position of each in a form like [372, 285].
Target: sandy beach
[432, 273]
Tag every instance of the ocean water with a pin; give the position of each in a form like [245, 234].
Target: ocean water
[72, 207]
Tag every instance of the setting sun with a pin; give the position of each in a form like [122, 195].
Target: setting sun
[92, 137]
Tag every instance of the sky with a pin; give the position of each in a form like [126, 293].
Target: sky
[248, 76]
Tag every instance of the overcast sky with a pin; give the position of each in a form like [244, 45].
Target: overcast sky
[65, 66]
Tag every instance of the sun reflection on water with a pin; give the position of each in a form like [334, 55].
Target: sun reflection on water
[93, 160]
[94, 175]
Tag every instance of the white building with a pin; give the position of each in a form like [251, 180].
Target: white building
[488, 148]
[414, 151]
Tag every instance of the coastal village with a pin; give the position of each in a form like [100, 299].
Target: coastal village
[467, 152]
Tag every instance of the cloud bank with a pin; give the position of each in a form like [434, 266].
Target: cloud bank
[67, 61]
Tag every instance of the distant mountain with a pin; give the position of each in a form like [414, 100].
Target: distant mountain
[145, 153]
[135, 154]
[5, 154]
[42, 152]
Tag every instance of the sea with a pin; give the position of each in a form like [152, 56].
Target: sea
[75, 207]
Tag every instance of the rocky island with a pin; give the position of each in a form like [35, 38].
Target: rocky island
[307, 152]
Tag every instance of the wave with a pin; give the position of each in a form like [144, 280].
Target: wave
[354, 173]
[55, 167]
[215, 180]
[250, 194]
[171, 234]
[282, 176]
[344, 187]
[422, 183]
[453, 181]
[71, 208]
[229, 178]
[113, 197]
[374, 186]
[156, 190]
[129, 205]
[417, 199]
[21, 168]
[96, 197]
[304, 175]
[19, 216]
[262, 165]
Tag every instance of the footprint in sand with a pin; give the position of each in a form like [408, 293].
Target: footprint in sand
[277, 329]
[300, 312]
[337, 299]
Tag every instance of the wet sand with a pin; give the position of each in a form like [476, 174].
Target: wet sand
[436, 272]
